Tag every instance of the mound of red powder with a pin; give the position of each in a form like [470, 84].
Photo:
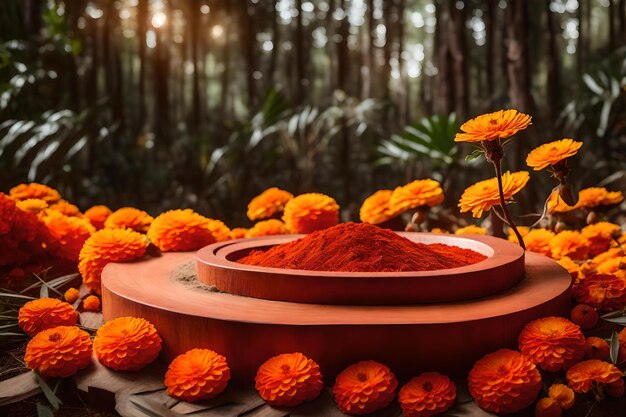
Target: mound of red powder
[361, 247]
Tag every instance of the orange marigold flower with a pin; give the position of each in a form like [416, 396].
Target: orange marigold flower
[603, 292]
[198, 374]
[32, 205]
[600, 235]
[66, 208]
[556, 204]
[427, 395]
[581, 376]
[616, 266]
[91, 303]
[364, 387]
[307, 213]
[596, 348]
[584, 316]
[598, 196]
[70, 233]
[108, 245]
[553, 343]
[552, 153]
[491, 126]
[622, 346]
[71, 295]
[483, 195]
[538, 240]
[129, 218]
[35, 190]
[127, 344]
[180, 231]
[59, 351]
[44, 313]
[375, 209]
[569, 243]
[563, 395]
[512, 237]
[238, 233]
[471, 230]
[220, 231]
[572, 267]
[504, 381]
[418, 193]
[439, 231]
[270, 202]
[288, 380]
[547, 407]
[97, 215]
[268, 228]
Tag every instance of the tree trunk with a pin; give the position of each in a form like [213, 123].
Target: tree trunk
[276, 45]
[342, 51]
[490, 61]
[456, 40]
[518, 67]
[250, 53]
[368, 84]
[553, 90]
[193, 19]
[142, 28]
[582, 34]
[300, 64]
[621, 14]
[443, 94]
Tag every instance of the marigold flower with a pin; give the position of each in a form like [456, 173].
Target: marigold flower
[418, 193]
[220, 231]
[553, 343]
[35, 190]
[91, 303]
[538, 240]
[44, 313]
[129, 218]
[622, 346]
[364, 387]
[307, 213]
[491, 126]
[270, 202]
[375, 209]
[598, 196]
[288, 380]
[615, 266]
[572, 267]
[127, 344]
[70, 233]
[439, 231]
[180, 231]
[581, 376]
[198, 374]
[267, 228]
[427, 395]
[66, 208]
[547, 407]
[512, 237]
[59, 351]
[584, 316]
[238, 232]
[97, 215]
[552, 153]
[483, 195]
[603, 292]
[600, 235]
[563, 395]
[71, 295]
[596, 348]
[108, 245]
[471, 230]
[504, 381]
[557, 205]
[32, 205]
[569, 243]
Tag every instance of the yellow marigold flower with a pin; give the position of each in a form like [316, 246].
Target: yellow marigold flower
[66, 208]
[268, 228]
[483, 195]
[270, 202]
[44, 313]
[471, 230]
[504, 382]
[35, 190]
[563, 395]
[181, 231]
[375, 209]
[439, 231]
[97, 215]
[427, 395]
[552, 153]
[569, 243]
[91, 303]
[220, 231]
[108, 245]
[70, 233]
[572, 267]
[553, 343]
[556, 204]
[598, 196]
[127, 344]
[581, 376]
[512, 237]
[538, 240]
[32, 205]
[238, 233]
[288, 380]
[418, 193]
[129, 218]
[59, 351]
[71, 295]
[491, 126]
[364, 387]
[198, 374]
[307, 213]
[600, 236]
[605, 256]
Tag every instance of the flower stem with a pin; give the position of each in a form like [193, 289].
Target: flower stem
[505, 210]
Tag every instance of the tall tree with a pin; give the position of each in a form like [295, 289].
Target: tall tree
[518, 67]
[458, 52]
[300, 50]
[142, 29]
[193, 19]
[490, 43]
[553, 89]
[443, 92]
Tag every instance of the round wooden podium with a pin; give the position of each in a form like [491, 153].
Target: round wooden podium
[447, 337]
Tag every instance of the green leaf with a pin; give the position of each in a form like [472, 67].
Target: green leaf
[44, 411]
[614, 347]
[476, 153]
[54, 401]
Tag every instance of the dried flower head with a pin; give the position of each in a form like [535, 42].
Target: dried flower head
[419, 193]
[598, 196]
[498, 125]
[267, 228]
[603, 292]
[427, 395]
[129, 218]
[35, 190]
[596, 348]
[581, 376]
[59, 351]
[569, 243]
[127, 344]
[32, 205]
[44, 313]
[70, 233]
[584, 316]
[269, 203]
[375, 209]
[180, 231]
[97, 215]
[552, 153]
[71, 295]
[288, 380]
[307, 213]
[91, 303]
[198, 374]
[563, 395]
[483, 195]
[364, 387]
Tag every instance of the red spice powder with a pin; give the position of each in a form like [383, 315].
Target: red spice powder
[361, 247]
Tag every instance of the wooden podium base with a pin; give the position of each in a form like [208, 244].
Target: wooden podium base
[445, 337]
